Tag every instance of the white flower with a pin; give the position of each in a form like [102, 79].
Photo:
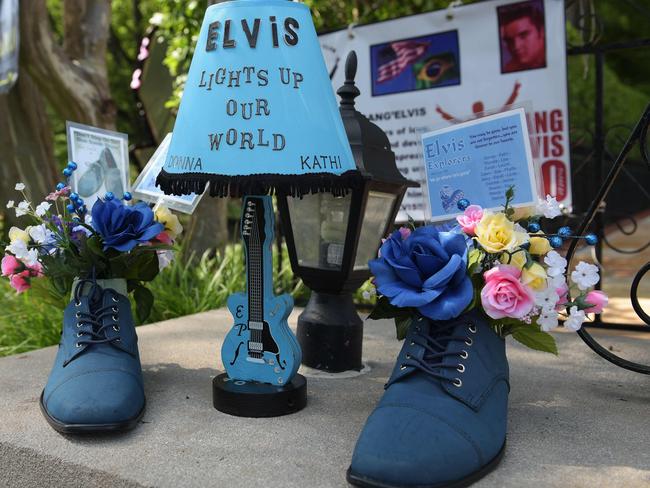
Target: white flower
[31, 258]
[547, 320]
[10, 204]
[41, 234]
[22, 208]
[549, 208]
[556, 264]
[20, 186]
[546, 299]
[575, 320]
[42, 209]
[557, 281]
[585, 275]
[165, 257]
[18, 248]
[88, 220]
[157, 18]
[522, 234]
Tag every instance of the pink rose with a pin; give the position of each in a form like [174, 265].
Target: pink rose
[504, 295]
[563, 295]
[10, 265]
[20, 282]
[405, 232]
[164, 238]
[598, 299]
[472, 216]
[36, 270]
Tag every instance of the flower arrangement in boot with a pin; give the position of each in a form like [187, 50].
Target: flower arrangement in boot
[98, 257]
[64, 241]
[454, 295]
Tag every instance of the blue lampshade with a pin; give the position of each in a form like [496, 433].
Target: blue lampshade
[258, 113]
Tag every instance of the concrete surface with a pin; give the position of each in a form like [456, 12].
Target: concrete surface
[575, 421]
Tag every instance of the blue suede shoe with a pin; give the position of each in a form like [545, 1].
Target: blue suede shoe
[442, 419]
[96, 381]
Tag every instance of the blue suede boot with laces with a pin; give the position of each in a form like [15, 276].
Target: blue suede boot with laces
[96, 381]
[442, 419]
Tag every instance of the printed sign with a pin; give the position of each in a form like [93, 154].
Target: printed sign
[8, 44]
[479, 160]
[145, 187]
[102, 158]
[429, 71]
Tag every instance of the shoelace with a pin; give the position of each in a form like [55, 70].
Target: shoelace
[435, 346]
[97, 332]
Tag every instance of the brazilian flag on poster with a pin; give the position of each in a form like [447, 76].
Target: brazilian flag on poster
[435, 69]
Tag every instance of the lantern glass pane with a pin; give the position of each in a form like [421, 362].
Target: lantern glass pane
[378, 210]
[320, 223]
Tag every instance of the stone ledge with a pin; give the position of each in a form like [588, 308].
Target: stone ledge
[574, 421]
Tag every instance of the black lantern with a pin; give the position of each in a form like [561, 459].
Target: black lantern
[331, 239]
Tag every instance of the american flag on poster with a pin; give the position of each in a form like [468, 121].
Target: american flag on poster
[400, 55]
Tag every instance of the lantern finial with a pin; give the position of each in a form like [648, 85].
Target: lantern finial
[349, 91]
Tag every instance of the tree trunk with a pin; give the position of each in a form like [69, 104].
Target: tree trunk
[27, 146]
[72, 77]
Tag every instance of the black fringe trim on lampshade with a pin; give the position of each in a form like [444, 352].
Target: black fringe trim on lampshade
[259, 184]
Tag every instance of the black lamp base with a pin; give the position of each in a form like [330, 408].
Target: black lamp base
[252, 399]
[330, 333]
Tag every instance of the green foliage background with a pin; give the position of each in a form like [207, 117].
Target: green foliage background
[193, 285]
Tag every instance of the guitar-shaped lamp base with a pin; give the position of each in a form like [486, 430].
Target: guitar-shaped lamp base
[252, 399]
[260, 353]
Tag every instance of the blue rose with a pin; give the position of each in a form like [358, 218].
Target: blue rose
[427, 271]
[123, 227]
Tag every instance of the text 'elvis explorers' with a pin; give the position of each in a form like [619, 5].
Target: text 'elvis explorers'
[229, 35]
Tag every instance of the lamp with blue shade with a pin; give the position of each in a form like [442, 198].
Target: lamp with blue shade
[258, 116]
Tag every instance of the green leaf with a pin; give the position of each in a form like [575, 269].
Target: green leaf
[402, 325]
[384, 310]
[474, 261]
[531, 336]
[143, 302]
[94, 244]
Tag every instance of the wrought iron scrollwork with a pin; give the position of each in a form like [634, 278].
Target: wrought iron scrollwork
[638, 136]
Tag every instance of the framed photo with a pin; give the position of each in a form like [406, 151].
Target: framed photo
[145, 187]
[479, 160]
[522, 36]
[102, 158]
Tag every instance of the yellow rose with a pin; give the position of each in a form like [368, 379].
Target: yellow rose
[539, 246]
[517, 259]
[523, 212]
[496, 233]
[16, 234]
[535, 277]
[172, 225]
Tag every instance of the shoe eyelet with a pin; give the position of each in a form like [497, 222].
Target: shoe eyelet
[469, 341]
[420, 319]
[115, 309]
[464, 354]
[472, 329]
[77, 304]
[79, 324]
[457, 382]
[412, 343]
[461, 368]
[402, 367]
[417, 329]
[408, 356]
[77, 345]
[118, 340]
[114, 318]
[116, 328]
[115, 299]
[78, 315]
